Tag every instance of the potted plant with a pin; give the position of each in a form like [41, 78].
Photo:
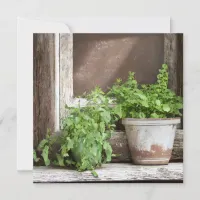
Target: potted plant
[150, 114]
[83, 142]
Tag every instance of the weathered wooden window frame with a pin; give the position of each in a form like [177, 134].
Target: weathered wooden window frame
[64, 76]
[64, 71]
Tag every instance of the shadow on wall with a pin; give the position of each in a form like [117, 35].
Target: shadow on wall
[99, 59]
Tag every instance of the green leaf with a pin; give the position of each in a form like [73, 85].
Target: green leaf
[132, 114]
[64, 150]
[94, 150]
[45, 154]
[118, 110]
[69, 122]
[106, 135]
[35, 158]
[164, 66]
[106, 116]
[154, 115]
[158, 103]
[95, 125]
[166, 107]
[108, 151]
[77, 120]
[102, 127]
[60, 160]
[179, 105]
[94, 174]
[42, 144]
[142, 115]
[70, 143]
[142, 96]
[145, 104]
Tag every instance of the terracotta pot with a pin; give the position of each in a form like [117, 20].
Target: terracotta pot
[150, 141]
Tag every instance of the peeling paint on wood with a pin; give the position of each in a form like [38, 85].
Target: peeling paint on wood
[66, 72]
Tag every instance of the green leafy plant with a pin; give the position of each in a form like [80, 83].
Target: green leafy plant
[146, 100]
[46, 148]
[83, 142]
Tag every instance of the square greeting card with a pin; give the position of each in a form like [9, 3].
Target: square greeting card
[107, 106]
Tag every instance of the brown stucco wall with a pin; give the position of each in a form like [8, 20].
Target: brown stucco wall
[98, 59]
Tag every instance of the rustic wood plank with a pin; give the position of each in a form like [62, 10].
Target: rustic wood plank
[57, 81]
[171, 59]
[66, 72]
[180, 64]
[118, 172]
[180, 71]
[119, 145]
[43, 85]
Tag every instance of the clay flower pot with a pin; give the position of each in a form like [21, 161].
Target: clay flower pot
[150, 141]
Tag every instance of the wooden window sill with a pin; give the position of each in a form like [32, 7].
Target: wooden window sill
[113, 172]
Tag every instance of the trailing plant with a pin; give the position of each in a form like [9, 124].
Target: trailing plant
[83, 142]
[146, 100]
[46, 148]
